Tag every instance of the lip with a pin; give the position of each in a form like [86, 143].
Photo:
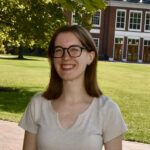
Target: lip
[67, 66]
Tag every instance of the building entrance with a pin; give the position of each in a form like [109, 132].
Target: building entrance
[133, 46]
[146, 51]
[118, 49]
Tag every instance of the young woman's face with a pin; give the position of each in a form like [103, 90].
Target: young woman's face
[71, 68]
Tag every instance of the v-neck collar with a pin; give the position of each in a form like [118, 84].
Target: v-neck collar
[79, 118]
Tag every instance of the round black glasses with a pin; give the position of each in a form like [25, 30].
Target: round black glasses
[73, 51]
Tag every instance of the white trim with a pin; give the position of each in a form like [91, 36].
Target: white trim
[148, 39]
[147, 12]
[134, 11]
[111, 59]
[95, 31]
[140, 61]
[128, 4]
[119, 36]
[124, 60]
[132, 34]
[122, 10]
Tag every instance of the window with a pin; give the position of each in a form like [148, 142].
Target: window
[118, 40]
[120, 19]
[146, 42]
[96, 19]
[147, 21]
[133, 41]
[135, 20]
[74, 18]
[96, 40]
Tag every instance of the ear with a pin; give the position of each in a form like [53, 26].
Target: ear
[91, 56]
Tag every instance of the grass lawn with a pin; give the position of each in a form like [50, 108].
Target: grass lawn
[127, 84]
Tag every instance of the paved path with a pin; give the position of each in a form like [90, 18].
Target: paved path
[11, 138]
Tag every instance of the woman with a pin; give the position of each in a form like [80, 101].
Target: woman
[72, 114]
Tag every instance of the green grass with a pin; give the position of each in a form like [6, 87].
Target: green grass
[19, 80]
[127, 84]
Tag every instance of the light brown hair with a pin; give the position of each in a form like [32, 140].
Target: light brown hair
[55, 86]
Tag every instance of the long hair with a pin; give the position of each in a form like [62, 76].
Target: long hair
[55, 86]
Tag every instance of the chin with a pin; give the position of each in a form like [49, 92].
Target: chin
[73, 77]
[68, 78]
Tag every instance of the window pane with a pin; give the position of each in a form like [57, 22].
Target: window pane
[120, 19]
[135, 21]
[96, 40]
[96, 18]
[147, 22]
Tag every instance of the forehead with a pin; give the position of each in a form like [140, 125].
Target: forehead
[66, 39]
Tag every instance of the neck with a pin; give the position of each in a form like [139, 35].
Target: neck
[74, 91]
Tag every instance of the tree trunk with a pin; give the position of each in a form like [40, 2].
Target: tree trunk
[20, 52]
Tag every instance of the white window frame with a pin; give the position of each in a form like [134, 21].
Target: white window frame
[122, 10]
[146, 40]
[97, 46]
[72, 19]
[134, 11]
[97, 25]
[147, 12]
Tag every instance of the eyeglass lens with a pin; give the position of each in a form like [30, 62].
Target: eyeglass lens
[73, 51]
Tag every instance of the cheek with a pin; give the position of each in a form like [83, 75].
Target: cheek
[56, 65]
[83, 64]
[85, 60]
[56, 62]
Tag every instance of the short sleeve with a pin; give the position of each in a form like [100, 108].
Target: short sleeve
[113, 123]
[29, 120]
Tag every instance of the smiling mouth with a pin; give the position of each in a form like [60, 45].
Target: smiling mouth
[67, 66]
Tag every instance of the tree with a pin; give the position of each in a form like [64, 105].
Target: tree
[30, 22]
[84, 9]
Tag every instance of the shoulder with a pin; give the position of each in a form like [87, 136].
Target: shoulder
[37, 99]
[107, 107]
[106, 102]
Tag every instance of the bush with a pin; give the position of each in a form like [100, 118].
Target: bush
[103, 57]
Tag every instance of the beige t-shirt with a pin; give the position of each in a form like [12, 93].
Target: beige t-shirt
[99, 123]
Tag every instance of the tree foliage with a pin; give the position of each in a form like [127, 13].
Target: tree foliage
[30, 22]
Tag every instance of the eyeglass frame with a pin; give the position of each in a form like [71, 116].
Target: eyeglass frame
[67, 49]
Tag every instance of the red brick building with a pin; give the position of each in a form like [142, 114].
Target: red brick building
[122, 30]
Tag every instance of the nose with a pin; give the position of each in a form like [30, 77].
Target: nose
[66, 54]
